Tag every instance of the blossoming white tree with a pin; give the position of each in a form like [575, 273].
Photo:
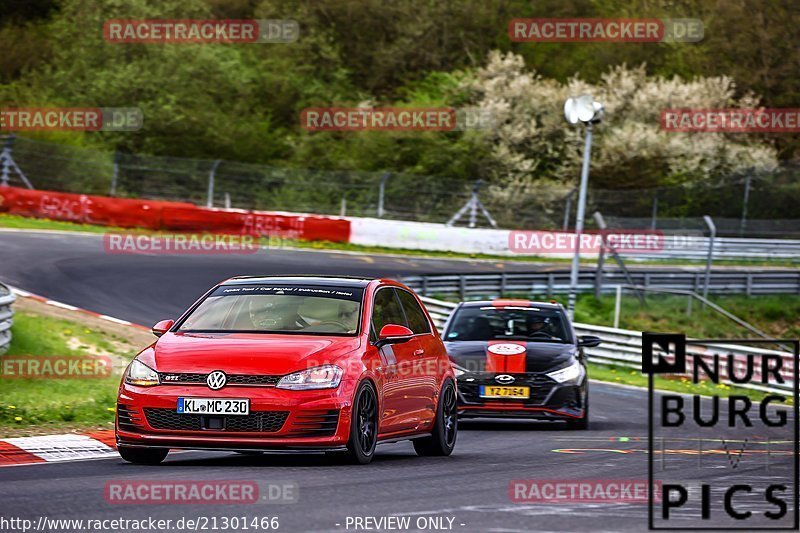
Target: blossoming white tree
[536, 150]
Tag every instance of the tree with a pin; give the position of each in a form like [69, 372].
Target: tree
[533, 141]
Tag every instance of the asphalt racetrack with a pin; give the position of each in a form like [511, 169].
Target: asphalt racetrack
[471, 487]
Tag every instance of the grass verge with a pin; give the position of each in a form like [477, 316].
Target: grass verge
[630, 376]
[776, 315]
[60, 403]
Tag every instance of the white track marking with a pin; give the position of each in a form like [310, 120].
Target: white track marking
[53, 448]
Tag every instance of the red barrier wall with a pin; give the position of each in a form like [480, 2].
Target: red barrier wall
[177, 216]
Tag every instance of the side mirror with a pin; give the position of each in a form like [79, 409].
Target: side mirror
[162, 327]
[393, 334]
[589, 341]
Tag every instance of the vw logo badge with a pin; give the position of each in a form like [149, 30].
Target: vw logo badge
[505, 379]
[216, 380]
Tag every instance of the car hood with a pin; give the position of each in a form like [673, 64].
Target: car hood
[510, 356]
[247, 353]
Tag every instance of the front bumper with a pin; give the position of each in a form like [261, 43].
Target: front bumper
[549, 400]
[279, 420]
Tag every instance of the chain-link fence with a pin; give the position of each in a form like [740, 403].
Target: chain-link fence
[746, 204]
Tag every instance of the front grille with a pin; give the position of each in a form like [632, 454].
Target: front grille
[315, 423]
[129, 419]
[256, 422]
[233, 379]
[243, 379]
[540, 387]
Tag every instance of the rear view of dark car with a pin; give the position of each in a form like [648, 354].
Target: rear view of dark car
[519, 359]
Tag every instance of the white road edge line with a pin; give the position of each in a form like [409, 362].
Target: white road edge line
[55, 303]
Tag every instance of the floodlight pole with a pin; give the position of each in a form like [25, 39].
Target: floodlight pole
[576, 259]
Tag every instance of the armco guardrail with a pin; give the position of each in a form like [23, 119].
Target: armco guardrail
[6, 317]
[623, 347]
[749, 282]
[676, 246]
[730, 248]
[438, 309]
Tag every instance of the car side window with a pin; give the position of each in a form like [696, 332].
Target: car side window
[387, 310]
[414, 313]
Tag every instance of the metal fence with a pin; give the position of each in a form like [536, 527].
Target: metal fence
[547, 284]
[6, 317]
[622, 347]
[728, 248]
[744, 205]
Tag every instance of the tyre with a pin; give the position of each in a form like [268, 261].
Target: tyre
[363, 426]
[445, 429]
[143, 456]
[580, 423]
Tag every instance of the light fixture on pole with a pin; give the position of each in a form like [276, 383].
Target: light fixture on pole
[581, 109]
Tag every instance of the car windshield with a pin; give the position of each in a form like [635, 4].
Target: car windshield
[522, 323]
[290, 309]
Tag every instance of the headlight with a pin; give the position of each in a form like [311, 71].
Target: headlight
[321, 377]
[571, 373]
[140, 374]
[458, 371]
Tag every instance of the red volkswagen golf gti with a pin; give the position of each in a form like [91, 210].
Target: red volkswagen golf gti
[291, 363]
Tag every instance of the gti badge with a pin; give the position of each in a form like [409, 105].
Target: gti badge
[504, 379]
[216, 380]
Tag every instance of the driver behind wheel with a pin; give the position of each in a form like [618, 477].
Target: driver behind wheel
[276, 314]
[539, 325]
